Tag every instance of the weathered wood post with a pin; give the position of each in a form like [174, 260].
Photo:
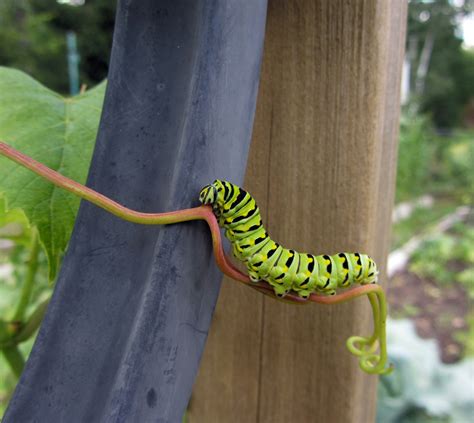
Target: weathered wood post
[322, 167]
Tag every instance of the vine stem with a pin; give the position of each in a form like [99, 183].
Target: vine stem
[197, 213]
[225, 265]
[28, 329]
[30, 277]
[15, 359]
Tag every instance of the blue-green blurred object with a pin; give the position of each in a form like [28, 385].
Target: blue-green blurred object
[421, 388]
[72, 62]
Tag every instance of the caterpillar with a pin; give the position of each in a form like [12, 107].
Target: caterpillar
[284, 269]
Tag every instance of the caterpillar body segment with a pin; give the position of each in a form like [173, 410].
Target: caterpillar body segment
[284, 269]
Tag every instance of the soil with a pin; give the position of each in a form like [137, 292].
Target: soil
[439, 312]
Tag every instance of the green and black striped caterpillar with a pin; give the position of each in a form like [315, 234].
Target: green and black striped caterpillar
[284, 269]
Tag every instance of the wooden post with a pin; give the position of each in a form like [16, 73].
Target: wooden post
[322, 167]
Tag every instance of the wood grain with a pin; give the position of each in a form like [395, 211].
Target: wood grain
[322, 167]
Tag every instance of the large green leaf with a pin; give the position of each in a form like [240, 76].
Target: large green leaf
[59, 132]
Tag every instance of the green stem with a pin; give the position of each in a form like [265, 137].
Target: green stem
[4, 331]
[27, 330]
[376, 317]
[30, 277]
[376, 363]
[364, 342]
[369, 361]
[33, 323]
[15, 238]
[15, 359]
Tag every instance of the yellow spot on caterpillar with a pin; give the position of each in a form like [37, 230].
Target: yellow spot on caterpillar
[310, 260]
[308, 273]
[252, 242]
[328, 262]
[285, 269]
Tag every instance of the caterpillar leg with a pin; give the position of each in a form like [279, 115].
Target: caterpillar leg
[303, 294]
[280, 291]
[253, 275]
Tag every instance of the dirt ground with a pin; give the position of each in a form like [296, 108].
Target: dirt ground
[438, 312]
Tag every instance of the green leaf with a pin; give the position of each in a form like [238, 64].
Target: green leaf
[59, 132]
[10, 216]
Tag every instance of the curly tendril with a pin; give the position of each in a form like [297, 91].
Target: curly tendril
[362, 347]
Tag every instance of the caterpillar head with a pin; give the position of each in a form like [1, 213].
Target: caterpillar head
[208, 194]
[213, 194]
[372, 272]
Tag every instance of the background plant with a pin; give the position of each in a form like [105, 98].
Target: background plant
[33, 39]
[441, 71]
[448, 258]
[415, 154]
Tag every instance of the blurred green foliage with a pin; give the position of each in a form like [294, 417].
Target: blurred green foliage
[415, 155]
[33, 39]
[28, 41]
[467, 338]
[441, 70]
[15, 247]
[432, 163]
[452, 168]
[449, 85]
[448, 258]
[14, 227]
[421, 219]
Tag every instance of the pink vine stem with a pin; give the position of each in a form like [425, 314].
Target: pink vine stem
[373, 363]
